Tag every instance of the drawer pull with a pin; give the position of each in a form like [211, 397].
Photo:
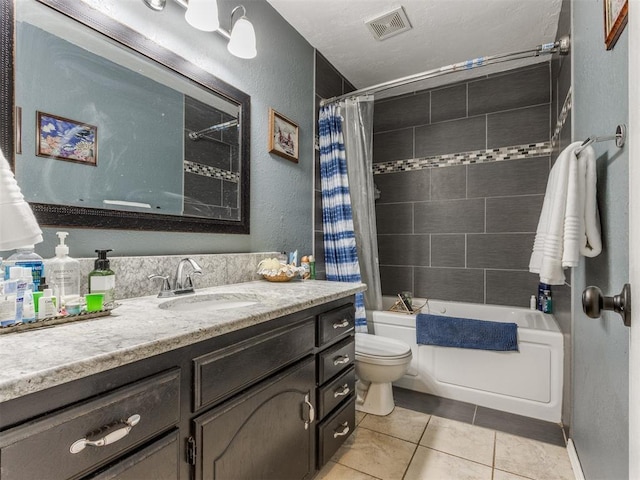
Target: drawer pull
[343, 432]
[312, 412]
[343, 324]
[345, 390]
[341, 360]
[109, 438]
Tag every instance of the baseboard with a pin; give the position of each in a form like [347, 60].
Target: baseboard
[575, 461]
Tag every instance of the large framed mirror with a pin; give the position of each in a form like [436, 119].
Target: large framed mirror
[106, 129]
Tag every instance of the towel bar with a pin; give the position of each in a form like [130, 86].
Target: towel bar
[620, 137]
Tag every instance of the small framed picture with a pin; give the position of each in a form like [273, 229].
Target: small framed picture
[616, 13]
[65, 139]
[283, 136]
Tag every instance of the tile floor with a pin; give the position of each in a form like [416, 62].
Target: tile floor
[410, 445]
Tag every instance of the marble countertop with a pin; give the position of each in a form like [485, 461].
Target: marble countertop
[37, 359]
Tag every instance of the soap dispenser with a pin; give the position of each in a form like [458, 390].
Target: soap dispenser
[102, 279]
[63, 273]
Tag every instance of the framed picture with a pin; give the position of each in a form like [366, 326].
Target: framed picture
[615, 19]
[66, 139]
[283, 136]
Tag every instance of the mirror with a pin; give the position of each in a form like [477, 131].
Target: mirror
[113, 131]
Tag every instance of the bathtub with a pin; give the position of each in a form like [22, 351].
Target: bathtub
[527, 382]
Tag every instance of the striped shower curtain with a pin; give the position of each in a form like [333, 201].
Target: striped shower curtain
[341, 257]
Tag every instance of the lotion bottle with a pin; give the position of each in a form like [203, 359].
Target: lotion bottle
[47, 304]
[102, 279]
[63, 273]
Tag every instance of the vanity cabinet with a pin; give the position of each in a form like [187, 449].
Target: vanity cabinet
[269, 401]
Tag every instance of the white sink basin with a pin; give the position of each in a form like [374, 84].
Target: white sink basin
[209, 302]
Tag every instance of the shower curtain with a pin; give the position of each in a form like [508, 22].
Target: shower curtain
[343, 243]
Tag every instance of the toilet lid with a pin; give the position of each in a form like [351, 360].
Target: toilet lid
[375, 346]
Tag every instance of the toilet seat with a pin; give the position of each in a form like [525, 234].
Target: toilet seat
[381, 350]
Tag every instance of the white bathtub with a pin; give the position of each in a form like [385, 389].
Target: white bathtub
[527, 382]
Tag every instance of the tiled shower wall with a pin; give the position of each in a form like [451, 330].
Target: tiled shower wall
[462, 172]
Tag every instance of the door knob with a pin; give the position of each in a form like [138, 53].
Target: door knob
[593, 302]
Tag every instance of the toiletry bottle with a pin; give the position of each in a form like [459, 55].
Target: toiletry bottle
[28, 307]
[63, 273]
[312, 267]
[47, 305]
[18, 274]
[533, 303]
[26, 257]
[7, 305]
[547, 304]
[102, 279]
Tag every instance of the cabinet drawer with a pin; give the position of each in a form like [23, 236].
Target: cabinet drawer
[335, 359]
[42, 448]
[335, 323]
[335, 430]
[223, 372]
[158, 461]
[335, 392]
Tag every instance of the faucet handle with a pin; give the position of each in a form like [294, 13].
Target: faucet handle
[165, 290]
[188, 283]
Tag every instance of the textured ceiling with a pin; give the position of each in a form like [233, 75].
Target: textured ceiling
[444, 32]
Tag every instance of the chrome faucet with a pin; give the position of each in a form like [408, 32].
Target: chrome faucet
[182, 283]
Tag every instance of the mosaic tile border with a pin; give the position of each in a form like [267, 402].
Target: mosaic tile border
[515, 152]
[562, 118]
[208, 171]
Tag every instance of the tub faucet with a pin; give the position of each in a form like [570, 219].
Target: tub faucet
[184, 283]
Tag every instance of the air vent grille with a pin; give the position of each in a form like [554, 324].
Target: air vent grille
[389, 24]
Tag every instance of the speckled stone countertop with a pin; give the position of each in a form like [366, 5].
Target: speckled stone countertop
[42, 358]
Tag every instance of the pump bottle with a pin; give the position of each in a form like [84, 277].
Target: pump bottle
[63, 273]
[102, 279]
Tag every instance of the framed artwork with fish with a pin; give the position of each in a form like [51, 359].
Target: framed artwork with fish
[65, 139]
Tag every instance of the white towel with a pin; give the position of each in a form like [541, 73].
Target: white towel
[569, 224]
[18, 226]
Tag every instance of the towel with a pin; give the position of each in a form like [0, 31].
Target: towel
[18, 226]
[569, 224]
[466, 333]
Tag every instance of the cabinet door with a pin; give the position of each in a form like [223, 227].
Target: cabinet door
[265, 433]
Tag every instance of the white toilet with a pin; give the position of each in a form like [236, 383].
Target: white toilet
[379, 362]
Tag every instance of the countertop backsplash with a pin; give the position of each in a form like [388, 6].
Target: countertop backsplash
[217, 269]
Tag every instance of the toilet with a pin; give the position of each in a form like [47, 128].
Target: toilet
[379, 362]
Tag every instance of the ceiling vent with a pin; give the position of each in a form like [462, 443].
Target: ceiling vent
[389, 24]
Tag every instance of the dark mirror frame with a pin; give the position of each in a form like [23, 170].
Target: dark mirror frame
[61, 215]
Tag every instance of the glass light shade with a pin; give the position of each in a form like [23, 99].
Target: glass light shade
[203, 15]
[243, 39]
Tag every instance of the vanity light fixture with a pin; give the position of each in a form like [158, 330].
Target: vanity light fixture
[203, 15]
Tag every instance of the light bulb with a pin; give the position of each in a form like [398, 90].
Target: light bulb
[203, 15]
[243, 39]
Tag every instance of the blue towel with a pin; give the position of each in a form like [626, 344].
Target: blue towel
[466, 333]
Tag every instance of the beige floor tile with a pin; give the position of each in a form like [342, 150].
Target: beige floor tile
[460, 439]
[359, 417]
[402, 423]
[433, 465]
[500, 475]
[335, 471]
[531, 458]
[376, 454]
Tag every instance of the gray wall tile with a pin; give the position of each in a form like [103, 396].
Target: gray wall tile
[400, 112]
[396, 279]
[448, 250]
[394, 218]
[403, 250]
[517, 177]
[457, 284]
[317, 224]
[510, 287]
[521, 88]
[449, 183]
[328, 80]
[519, 127]
[499, 250]
[451, 137]
[514, 214]
[395, 145]
[450, 216]
[404, 186]
[449, 103]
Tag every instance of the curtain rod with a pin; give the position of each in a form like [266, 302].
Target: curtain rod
[561, 46]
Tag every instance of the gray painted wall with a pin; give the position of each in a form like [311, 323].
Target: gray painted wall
[601, 347]
[281, 76]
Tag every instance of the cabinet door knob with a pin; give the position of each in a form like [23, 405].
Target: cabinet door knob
[344, 390]
[341, 360]
[122, 429]
[593, 302]
[343, 432]
[343, 324]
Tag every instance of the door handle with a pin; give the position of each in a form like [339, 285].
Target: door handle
[593, 303]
